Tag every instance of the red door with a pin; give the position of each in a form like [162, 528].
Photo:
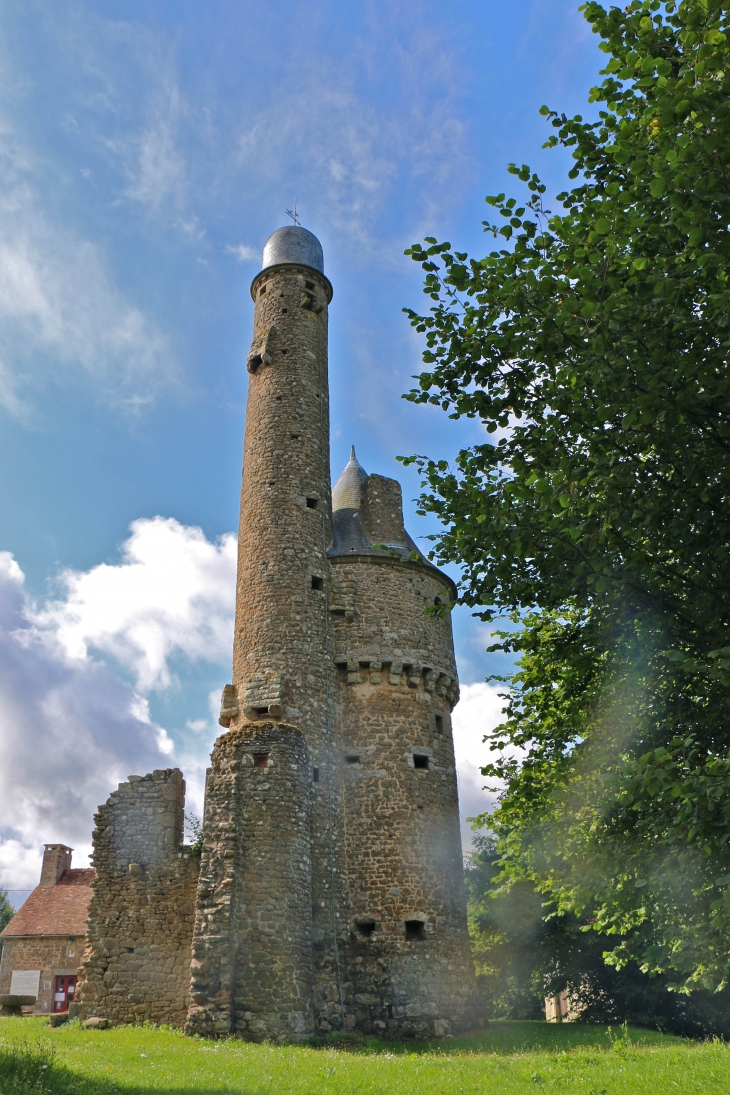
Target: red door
[64, 994]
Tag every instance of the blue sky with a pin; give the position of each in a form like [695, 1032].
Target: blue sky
[148, 149]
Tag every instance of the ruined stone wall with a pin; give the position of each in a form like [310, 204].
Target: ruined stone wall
[409, 966]
[137, 962]
[252, 956]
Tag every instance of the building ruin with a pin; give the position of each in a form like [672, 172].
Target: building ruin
[329, 893]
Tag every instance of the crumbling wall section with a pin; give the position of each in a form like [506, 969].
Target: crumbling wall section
[137, 962]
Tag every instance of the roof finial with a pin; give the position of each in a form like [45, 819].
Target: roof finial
[352, 453]
[293, 214]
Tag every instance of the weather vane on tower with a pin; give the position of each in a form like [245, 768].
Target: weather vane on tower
[293, 214]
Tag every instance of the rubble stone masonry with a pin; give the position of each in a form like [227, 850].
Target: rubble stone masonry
[137, 962]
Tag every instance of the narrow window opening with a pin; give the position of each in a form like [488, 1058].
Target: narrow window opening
[414, 931]
[366, 928]
[281, 294]
[261, 710]
[285, 351]
[294, 436]
[439, 724]
[311, 503]
[261, 760]
[309, 284]
[353, 758]
[419, 761]
[317, 583]
[315, 775]
[262, 290]
[283, 310]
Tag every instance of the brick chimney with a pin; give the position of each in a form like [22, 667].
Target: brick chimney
[56, 860]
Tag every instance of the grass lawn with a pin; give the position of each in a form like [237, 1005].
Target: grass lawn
[505, 1059]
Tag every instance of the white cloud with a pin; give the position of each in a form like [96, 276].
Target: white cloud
[155, 166]
[59, 305]
[350, 158]
[59, 302]
[70, 731]
[243, 252]
[173, 594]
[479, 710]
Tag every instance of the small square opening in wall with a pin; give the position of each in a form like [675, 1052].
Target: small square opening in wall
[414, 931]
[439, 720]
[311, 503]
[353, 758]
[420, 761]
[317, 583]
[260, 760]
[365, 929]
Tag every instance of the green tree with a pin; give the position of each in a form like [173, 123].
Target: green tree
[524, 951]
[595, 340]
[6, 910]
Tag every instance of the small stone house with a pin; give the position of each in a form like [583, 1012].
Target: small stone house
[43, 944]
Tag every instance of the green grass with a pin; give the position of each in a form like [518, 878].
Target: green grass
[505, 1059]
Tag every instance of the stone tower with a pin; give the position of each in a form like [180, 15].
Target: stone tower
[331, 885]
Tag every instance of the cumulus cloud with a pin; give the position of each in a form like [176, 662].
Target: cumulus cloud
[70, 731]
[172, 595]
[479, 710]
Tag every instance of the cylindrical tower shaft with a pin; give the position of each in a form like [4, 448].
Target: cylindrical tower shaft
[280, 636]
[269, 852]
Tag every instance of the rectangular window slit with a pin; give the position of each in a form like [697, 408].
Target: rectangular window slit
[414, 931]
[419, 761]
[311, 503]
[261, 760]
[352, 758]
[317, 583]
[315, 775]
[309, 284]
[439, 724]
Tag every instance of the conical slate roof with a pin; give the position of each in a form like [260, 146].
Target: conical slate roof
[346, 491]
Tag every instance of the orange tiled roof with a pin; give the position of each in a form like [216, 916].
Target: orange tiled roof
[54, 910]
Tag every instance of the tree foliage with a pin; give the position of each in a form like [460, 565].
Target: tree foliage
[524, 951]
[593, 345]
[6, 910]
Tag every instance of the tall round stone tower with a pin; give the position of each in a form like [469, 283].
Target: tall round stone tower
[331, 888]
[252, 949]
[409, 960]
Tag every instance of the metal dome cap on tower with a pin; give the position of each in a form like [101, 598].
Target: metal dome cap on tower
[293, 244]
